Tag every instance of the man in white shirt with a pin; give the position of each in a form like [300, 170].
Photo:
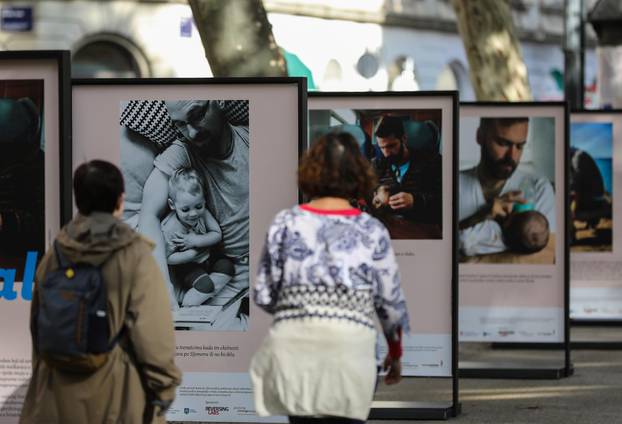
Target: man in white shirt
[489, 190]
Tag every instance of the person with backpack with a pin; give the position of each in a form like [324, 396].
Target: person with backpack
[102, 332]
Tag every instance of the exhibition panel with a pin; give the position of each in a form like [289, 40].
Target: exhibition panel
[596, 230]
[35, 151]
[513, 216]
[415, 200]
[143, 126]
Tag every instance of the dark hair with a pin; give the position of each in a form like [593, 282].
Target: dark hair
[390, 126]
[527, 232]
[486, 125]
[97, 185]
[335, 167]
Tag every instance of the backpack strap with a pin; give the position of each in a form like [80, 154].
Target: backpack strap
[116, 338]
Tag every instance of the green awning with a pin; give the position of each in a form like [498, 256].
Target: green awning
[297, 68]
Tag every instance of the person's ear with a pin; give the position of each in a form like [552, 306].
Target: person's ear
[118, 210]
[479, 136]
[171, 204]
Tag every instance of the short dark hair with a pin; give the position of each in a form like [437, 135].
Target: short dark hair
[527, 232]
[486, 125]
[97, 185]
[390, 126]
[335, 167]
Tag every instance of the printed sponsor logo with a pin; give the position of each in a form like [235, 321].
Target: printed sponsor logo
[189, 411]
[216, 410]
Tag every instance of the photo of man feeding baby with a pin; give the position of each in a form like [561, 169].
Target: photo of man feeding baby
[506, 183]
[404, 148]
[186, 170]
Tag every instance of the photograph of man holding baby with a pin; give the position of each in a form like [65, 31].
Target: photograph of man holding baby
[507, 198]
[186, 165]
[403, 147]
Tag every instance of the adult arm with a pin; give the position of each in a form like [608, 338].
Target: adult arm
[481, 233]
[184, 257]
[154, 205]
[270, 275]
[150, 330]
[390, 304]
[426, 198]
[545, 201]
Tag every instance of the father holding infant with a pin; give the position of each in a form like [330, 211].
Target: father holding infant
[410, 181]
[219, 152]
[502, 208]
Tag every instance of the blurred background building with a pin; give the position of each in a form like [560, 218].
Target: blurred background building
[339, 44]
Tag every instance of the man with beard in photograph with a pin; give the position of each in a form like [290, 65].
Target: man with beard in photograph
[410, 181]
[22, 215]
[490, 190]
[219, 152]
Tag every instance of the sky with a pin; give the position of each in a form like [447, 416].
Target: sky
[593, 137]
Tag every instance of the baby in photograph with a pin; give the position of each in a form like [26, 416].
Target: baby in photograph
[381, 197]
[526, 232]
[189, 231]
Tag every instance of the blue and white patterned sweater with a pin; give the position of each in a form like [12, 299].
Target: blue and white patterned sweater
[332, 266]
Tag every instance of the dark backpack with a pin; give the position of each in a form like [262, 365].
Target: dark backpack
[72, 332]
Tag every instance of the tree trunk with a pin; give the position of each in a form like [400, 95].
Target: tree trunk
[609, 76]
[496, 64]
[237, 38]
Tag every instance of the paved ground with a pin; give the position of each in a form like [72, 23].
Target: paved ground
[592, 395]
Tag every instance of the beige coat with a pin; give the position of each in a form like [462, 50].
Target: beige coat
[142, 364]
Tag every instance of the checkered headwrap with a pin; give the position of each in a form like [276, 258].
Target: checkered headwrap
[236, 111]
[150, 118]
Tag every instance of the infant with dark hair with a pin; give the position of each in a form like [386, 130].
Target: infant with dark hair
[526, 232]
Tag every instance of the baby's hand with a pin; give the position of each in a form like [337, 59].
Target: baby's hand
[184, 241]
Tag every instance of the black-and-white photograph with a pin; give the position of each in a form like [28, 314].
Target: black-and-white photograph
[186, 169]
[22, 211]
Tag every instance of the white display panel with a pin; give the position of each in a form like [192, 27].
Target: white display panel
[512, 264]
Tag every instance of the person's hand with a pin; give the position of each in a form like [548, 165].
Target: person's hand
[394, 368]
[401, 201]
[184, 241]
[501, 206]
[193, 297]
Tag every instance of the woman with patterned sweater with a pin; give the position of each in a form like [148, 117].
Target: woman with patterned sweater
[327, 271]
